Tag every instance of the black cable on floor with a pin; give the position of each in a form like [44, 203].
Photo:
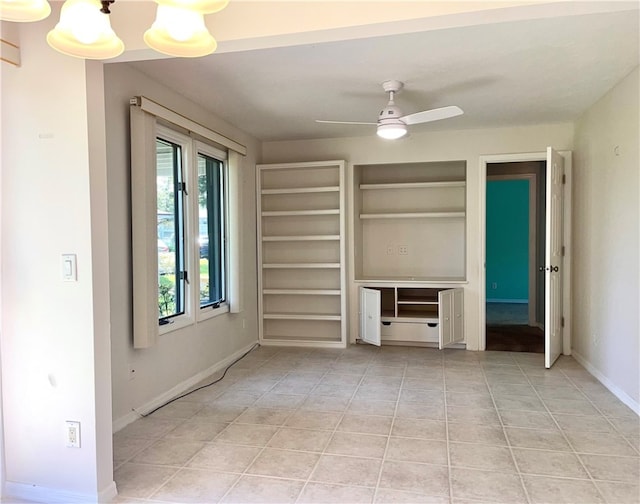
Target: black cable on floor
[143, 415]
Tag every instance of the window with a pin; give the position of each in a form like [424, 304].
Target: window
[211, 229]
[191, 230]
[185, 222]
[172, 273]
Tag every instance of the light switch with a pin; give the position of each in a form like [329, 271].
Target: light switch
[69, 268]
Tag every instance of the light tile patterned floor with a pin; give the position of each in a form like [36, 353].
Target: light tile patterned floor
[393, 425]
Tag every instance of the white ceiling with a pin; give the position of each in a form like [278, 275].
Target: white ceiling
[501, 74]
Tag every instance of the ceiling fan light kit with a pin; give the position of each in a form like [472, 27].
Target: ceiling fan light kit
[392, 131]
[392, 124]
[84, 29]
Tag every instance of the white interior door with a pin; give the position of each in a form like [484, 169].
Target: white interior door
[553, 258]
[370, 316]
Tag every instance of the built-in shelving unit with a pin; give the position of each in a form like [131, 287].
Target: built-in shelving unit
[409, 222]
[301, 254]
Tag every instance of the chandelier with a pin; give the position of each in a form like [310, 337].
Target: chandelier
[84, 29]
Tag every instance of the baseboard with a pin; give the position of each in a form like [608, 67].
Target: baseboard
[509, 301]
[132, 416]
[613, 388]
[35, 493]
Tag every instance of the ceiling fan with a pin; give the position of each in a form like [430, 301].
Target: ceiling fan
[392, 124]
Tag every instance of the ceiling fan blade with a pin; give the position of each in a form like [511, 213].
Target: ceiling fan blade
[432, 115]
[344, 122]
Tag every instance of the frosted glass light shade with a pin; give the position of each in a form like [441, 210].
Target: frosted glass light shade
[202, 6]
[24, 11]
[85, 32]
[392, 131]
[180, 32]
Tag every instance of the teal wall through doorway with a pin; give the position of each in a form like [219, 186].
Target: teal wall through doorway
[507, 241]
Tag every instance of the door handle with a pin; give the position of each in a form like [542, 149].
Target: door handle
[554, 269]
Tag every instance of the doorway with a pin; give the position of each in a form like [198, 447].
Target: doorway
[515, 224]
[556, 265]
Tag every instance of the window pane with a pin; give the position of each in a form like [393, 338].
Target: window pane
[211, 230]
[171, 264]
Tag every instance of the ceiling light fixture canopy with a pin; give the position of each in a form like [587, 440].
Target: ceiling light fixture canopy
[84, 29]
[24, 11]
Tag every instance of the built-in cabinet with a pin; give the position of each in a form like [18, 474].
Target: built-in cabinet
[409, 314]
[301, 253]
[409, 252]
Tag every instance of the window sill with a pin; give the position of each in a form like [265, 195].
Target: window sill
[211, 312]
[178, 323]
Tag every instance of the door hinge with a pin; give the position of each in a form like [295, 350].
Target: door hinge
[562, 322]
[562, 251]
[564, 178]
[182, 186]
[184, 276]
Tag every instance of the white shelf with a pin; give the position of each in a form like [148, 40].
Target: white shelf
[417, 302]
[303, 292]
[413, 215]
[301, 238]
[290, 213]
[414, 185]
[301, 266]
[401, 281]
[417, 318]
[300, 316]
[300, 190]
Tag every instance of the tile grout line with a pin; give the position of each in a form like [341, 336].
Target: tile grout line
[606, 417]
[233, 422]
[575, 453]
[446, 427]
[504, 431]
[386, 447]
[334, 430]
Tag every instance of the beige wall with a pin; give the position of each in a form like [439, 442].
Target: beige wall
[605, 240]
[466, 145]
[181, 354]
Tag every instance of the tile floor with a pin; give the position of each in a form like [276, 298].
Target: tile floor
[392, 425]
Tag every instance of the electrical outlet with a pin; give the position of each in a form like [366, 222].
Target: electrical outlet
[389, 249]
[494, 285]
[403, 250]
[72, 435]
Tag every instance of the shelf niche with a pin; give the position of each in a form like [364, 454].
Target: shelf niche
[409, 222]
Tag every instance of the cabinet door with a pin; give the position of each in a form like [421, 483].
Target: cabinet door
[451, 306]
[370, 316]
[445, 317]
[458, 318]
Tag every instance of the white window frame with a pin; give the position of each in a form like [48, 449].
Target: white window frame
[187, 152]
[207, 312]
